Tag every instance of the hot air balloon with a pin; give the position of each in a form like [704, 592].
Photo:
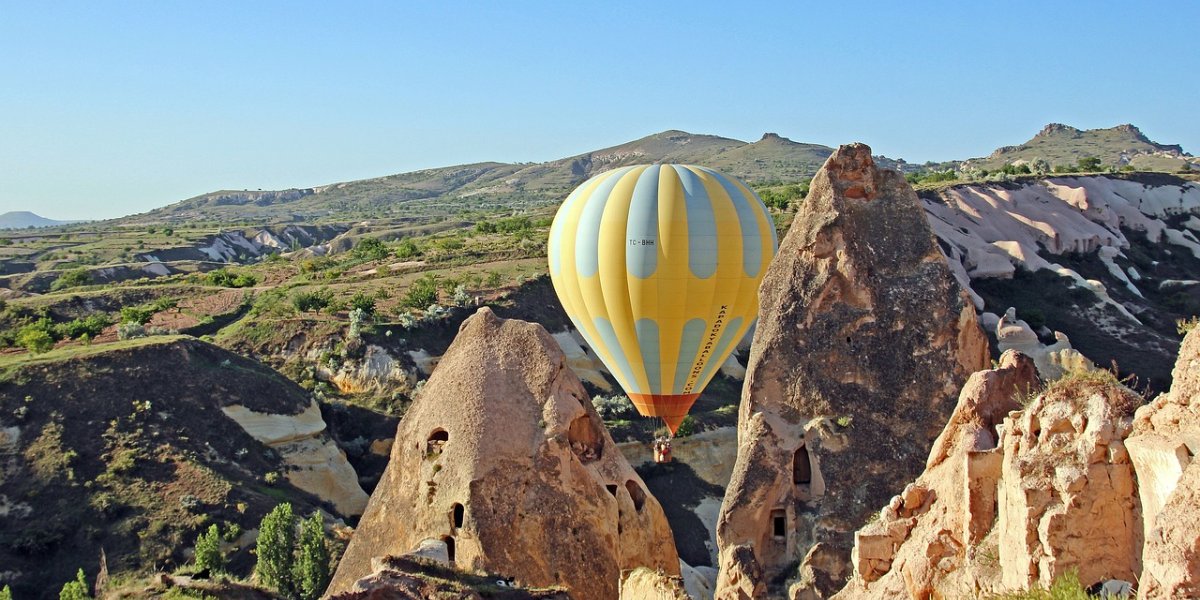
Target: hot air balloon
[658, 267]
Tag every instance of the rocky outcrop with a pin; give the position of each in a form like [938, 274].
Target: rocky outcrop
[1012, 500]
[863, 342]
[503, 457]
[646, 584]
[1166, 438]
[1052, 361]
[315, 464]
[922, 537]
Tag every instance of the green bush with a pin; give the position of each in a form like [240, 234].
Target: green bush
[1089, 163]
[208, 550]
[225, 278]
[276, 544]
[1066, 587]
[75, 590]
[70, 279]
[312, 301]
[407, 249]
[36, 337]
[91, 326]
[312, 559]
[137, 314]
[362, 302]
[6, 592]
[421, 293]
[370, 249]
[686, 427]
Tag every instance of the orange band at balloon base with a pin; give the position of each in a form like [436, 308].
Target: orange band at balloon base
[671, 408]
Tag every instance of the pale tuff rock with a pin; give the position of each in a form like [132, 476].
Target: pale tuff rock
[317, 465]
[1166, 438]
[863, 341]
[1053, 361]
[646, 584]
[377, 371]
[921, 537]
[503, 457]
[425, 573]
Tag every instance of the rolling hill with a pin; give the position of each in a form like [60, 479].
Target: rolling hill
[1119, 146]
[22, 219]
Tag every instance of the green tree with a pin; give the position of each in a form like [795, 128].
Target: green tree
[75, 590]
[363, 302]
[1089, 163]
[421, 293]
[407, 249]
[312, 560]
[137, 314]
[6, 593]
[36, 337]
[208, 550]
[370, 249]
[312, 301]
[276, 544]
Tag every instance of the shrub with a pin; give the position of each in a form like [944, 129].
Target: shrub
[75, 590]
[130, 330]
[311, 301]
[686, 427]
[362, 302]
[37, 337]
[276, 541]
[70, 279]
[493, 279]
[91, 326]
[1183, 326]
[6, 592]
[225, 278]
[1066, 587]
[137, 314]
[208, 550]
[312, 561]
[611, 408]
[369, 249]
[407, 249]
[421, 293]
[1089, 163]
[461, 297]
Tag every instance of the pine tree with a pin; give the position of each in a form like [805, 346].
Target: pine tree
[75, 590]
[208, 550]
[276, 545]
[312, 561]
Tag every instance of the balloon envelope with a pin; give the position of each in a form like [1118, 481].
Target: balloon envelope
[658, 267]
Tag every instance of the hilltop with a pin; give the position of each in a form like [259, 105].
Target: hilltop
[21, 219]
[493, 186]
[1123, 145]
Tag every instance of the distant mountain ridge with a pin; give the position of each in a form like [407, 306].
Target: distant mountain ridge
[495, 186]
[1059, 144]
[21, 219]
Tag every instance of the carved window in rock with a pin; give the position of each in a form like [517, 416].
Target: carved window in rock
[586, 439]
[636, 493]
[779, 524]
[436, 442]
[801, 467]
[449, 541]
[458, 514]
[612, 489]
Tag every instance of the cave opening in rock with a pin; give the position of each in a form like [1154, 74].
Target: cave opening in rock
[612, 488]
[449, 541]
[585, 438]
[436, 441]
[801, 467]
[636, 493]
[458, 514]
[779, 523]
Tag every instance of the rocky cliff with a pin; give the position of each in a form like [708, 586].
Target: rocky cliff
[864, 339]
[503, 458]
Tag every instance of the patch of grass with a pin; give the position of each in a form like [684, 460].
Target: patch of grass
[1065, 587]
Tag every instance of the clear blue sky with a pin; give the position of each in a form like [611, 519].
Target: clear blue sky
[108, 109]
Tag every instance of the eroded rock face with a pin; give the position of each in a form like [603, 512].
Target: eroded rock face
[504, 458]
[1052, 361]
[1165, 440]
[921, 539]
[863, 342]
[416, 577]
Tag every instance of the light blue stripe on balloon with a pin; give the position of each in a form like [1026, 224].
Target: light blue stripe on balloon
[752, 243]
[587, 240]
[641, 258]
[613, 345]
[689, 343]
[762, 208]
[647, 335]
[718, 355]
[556, 230]
[702, 225]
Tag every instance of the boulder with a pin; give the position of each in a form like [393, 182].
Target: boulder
[863, 341]
[503, 457]
[1166, 437]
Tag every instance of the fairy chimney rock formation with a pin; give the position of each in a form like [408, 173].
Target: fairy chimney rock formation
[1165, 440]
[864, 339]
[503, 457]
